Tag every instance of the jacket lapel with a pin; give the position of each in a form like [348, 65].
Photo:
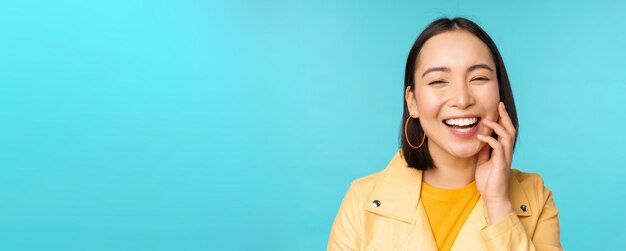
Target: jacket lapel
[398, 192]
[469, 237]
[421, 237]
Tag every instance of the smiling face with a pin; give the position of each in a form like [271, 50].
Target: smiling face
[456, 86]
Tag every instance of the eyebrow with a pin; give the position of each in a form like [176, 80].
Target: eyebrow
[446, 69]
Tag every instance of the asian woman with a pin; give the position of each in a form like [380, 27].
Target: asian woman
[450, 186]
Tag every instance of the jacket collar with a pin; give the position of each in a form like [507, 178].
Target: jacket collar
[398, 192]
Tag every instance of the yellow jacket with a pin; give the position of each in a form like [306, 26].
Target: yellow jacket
[397, 220]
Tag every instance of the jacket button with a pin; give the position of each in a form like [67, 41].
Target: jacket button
[376, 203]
[523, 207]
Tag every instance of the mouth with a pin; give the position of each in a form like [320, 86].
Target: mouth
[465, 126]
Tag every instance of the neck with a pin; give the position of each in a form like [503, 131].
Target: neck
[450, 172]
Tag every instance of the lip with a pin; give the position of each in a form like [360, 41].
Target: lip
[468, 133]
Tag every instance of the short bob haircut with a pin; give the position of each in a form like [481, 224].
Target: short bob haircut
[420, 158]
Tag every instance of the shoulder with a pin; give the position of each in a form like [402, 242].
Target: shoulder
[528, 180]
[536, 209]
[532, 184]
[365, 185]
[392, 179]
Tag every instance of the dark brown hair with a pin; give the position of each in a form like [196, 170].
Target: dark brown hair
[420, 158]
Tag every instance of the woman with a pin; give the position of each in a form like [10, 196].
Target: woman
[451, 186]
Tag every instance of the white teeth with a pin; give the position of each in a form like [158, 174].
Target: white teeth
[461, 122]
[463, 130]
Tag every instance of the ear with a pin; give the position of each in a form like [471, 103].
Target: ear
[411, 104]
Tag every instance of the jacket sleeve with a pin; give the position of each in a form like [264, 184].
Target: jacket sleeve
[509, 233]
[345, 233]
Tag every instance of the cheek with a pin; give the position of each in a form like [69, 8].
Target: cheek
[490, 98]
[492, 110]
[428, 103]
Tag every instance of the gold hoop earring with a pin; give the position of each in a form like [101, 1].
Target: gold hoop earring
[407, 136]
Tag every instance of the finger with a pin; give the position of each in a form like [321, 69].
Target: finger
[503, 137]
[505, 119]
[498, 151]
[483, 155]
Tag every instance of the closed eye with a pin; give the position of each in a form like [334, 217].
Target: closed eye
[437, 82]
[480, 78]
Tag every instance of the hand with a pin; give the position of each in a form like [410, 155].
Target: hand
[492, 174]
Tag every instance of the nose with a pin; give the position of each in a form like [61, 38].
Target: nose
[462, 96]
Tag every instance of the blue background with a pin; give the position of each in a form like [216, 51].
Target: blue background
[238, 125]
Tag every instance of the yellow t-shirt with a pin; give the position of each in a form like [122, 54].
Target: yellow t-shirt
[447, 210]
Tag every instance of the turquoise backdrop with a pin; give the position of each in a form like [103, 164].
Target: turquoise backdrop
[239, 125]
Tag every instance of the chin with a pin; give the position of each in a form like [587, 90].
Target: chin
[466, 151]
